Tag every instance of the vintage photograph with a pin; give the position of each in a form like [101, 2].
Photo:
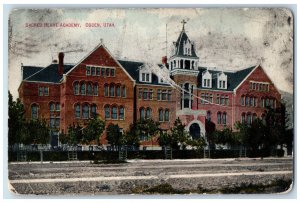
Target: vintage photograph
[150, 101]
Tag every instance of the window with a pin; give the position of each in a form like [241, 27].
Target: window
[52, 107]
[112, 72]
[247, 101]
[107, 112]
[151, 94]
[82, 89]
[85, 111]
[114, 113]
[219, 117]
[158, 94]
[111, 90]
[52, 122]
[98, 71]
[262, 102]
[202, 98]
[140, 93]
[57, 122]
[243, 100]
[77, 111]
[226, 100]
[76, 88]
[243, 117]
[254, 117]
[103, 72]
[118, 91]
[148, 113]
[164, 95]
[93, 70]
[107, 72]
[145, 77]
[142, 113]
[46, 91]
[94, 111]
[167, 118]
[89, 89]
[208, 116]
[41, 90]
[124, 91]
[145, 94]
[249, 118]
[88, 70]
[121, 113]
[218, 99]
[57, 107]
[222, 100]
[169, 95]
[106, 90]
[96, 89]
[34, 111]
[224, 118]
[160, 117]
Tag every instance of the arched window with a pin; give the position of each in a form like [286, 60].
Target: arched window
[219, 117]
[161, 115]
[107, 111]
[106, 90]
[243, 117]
[112, 90]
[148, 113]
[85, 111]
[96, 89]
[121, 113]
[82, 89]
[247, 101]
[142, 113]
[167, 115]
[52, 106]
[77, 111]
[34, 111]
[267, 102]
[118, 91]
[262, 102]
[249, 118]
[76, 88]
[271, 103]
[243, 100]
[208, 116]
[94, 111]
[224, 118]
[251, 101]
[57, 107]
[114, 112]
[89, 89]
[124, 91]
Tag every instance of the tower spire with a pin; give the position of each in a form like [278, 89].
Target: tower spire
[183, 22]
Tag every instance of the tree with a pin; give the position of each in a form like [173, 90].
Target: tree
[16, 120]
[132, 136]
[226, 137]
[93, 130]
[114, 136]
[179, 136]
[74, 135]
[148, 127]
[199, 143]
[35, 132]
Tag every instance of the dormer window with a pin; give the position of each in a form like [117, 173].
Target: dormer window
[145, 76]
[206, 79]
[187, 46]
[222, 81]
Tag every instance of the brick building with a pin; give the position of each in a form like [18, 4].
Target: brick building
[121, 92]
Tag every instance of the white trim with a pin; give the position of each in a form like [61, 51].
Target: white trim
[41, 82]
[149, 84]
[217, 90]
[201, 125]
[234, 90]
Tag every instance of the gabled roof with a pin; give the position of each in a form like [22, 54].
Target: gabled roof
[179, 45]
[47, 74]
[133, 69]
[233, 78]
[30, 70]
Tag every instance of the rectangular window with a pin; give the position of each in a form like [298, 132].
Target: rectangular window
[143, 76]
[57, 122]
[88, 70]
[202, 98]
[41, 90]
[220, 84]
[145, 94]
[158, 94]
[208, 82]
[103, 72]
[147, 77]
[222, 100]
[164, 95]
[211, 98]
[121, 116]
[112, 72]
[52, 122]
[204, 84]
[93, 70]
[140, 93]
[107, 112]
[46, 91]
[218, 99]
[169, 95]
[124, 91]
[57, 107]
[151, 94]
[98, 71]
[227, 100]
[224, 84]
[107, 72]
[114, 113]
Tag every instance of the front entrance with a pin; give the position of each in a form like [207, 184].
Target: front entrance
[195, 131]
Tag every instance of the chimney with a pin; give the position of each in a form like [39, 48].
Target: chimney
[164, 60]
[61, 63]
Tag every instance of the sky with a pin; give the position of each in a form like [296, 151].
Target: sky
[225, 38]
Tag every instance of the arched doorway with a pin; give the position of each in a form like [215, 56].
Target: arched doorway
[195, 131]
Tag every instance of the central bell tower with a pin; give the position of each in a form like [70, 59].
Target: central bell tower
[183, 68]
